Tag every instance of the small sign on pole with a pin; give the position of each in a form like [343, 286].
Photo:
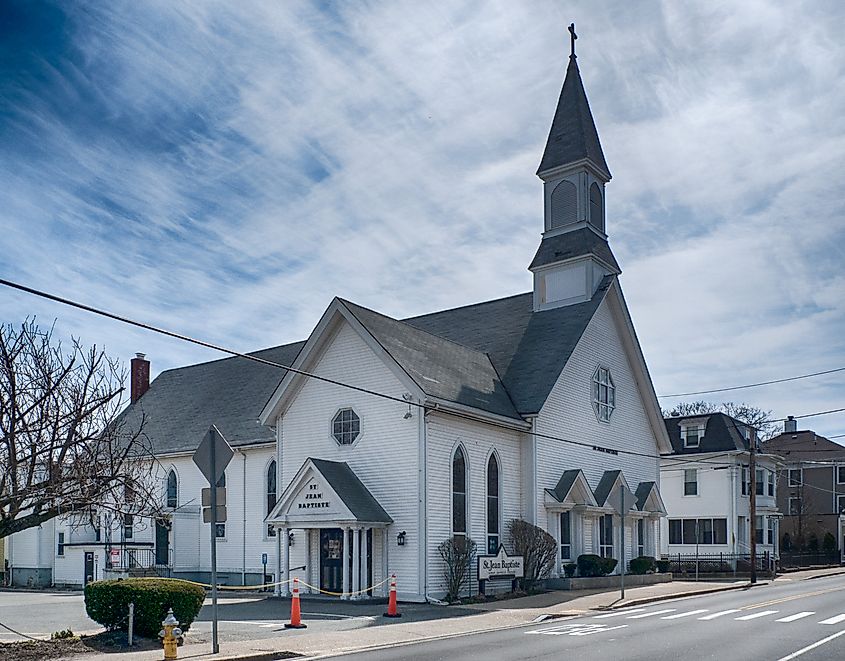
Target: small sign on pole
[212, 457]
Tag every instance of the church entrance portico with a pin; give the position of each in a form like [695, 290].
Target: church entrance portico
[339, 523]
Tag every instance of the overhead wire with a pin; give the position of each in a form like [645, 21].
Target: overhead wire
[754, 385]
[405, 402]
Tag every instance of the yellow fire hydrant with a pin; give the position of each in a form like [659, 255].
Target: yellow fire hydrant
[170, 635]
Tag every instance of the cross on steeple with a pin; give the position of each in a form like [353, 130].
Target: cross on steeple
[572, 38]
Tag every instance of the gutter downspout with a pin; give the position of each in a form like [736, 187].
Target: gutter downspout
[243, 508]
[734, 527]
[423, 501]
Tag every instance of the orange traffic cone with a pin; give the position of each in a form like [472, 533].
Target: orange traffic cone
[295, 621]
[391, 604]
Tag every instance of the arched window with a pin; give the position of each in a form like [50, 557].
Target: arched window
[596, 207]
[459, 493]
[271, 494]
[564, 204]
[172, 489]
[492, 504]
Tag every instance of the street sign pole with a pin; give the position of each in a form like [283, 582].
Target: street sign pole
[622, 539]
[215, 647]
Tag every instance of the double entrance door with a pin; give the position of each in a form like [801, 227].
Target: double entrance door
[333, 550]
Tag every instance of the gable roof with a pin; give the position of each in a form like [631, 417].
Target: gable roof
[181, 403]
[721, 433]
[608, 479]
[441, 368]
[351, 490]
[567, 482]
[803, 446]
[646, 489]
[498, 356]
[573, 136]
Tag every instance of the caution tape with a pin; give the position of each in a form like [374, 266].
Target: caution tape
[344, 594]
[240, 588]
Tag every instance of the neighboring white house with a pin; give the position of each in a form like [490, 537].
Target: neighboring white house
[536, 406]
[706, 484]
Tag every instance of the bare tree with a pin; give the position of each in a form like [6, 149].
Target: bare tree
[750, 415]
[538, 548]
[64, 448]
[457, 553]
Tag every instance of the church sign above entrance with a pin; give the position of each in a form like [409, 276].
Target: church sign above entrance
[312, 498]
[500, 565]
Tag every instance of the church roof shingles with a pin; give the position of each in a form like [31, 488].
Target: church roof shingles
[498, 356]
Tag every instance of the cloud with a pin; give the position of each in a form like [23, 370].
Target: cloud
[224, 170]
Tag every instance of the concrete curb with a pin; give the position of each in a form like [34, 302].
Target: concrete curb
[681, 595]
[813, 578]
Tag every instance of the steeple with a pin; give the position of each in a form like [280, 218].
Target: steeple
[573, 137]
[574, 256]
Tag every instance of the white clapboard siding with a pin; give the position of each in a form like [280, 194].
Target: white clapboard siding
[384, 457]
[444, 433]
[568, 413]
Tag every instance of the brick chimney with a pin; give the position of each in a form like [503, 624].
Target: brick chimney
[790, 425]
[140, 377]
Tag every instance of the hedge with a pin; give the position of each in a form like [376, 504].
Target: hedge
[642, 564]
[590, 564]
[662, 566]
[107, 602]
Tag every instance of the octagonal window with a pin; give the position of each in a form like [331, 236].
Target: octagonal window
[346, 426]
[604, 394]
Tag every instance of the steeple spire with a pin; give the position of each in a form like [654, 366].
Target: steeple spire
[573, 136]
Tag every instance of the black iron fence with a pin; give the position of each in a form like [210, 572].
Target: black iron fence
[711, 564]
[139, 561]
[791, 559]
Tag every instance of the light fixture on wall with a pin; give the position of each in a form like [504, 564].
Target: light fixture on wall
[290, 538]
[407, 397]
[400, 538]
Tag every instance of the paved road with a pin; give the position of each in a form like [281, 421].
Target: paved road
[242, 616]
[783, 621]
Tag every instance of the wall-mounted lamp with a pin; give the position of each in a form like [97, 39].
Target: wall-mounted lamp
[400, 538]
[408, 397]
[290, 537]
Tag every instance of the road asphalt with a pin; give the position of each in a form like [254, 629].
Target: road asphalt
[786, 620]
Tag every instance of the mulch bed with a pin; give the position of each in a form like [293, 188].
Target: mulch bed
[106, 642]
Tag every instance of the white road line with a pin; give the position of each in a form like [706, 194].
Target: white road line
[680, 615]
[719, 614]
[754, 616]
[818, 643]
[833, 620]
[665, 610]
[797, 616]
[617, 613]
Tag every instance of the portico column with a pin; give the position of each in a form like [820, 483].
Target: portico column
[283, 539]
[344, 553]
[365, 583]
[356, 562]
[277, 590]
[385, 542]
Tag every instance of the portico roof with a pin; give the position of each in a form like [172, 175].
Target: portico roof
[327, 494]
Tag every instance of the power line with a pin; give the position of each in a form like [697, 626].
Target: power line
[753, 385]
[401, 400]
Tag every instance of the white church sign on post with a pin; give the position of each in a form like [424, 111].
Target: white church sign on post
[499, 566]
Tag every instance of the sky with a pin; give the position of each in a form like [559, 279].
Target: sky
[225, 169]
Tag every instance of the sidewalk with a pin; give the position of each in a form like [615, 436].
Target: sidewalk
[489, 616]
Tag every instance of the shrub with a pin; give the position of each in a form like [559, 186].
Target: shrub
[64, 634]
[642, 565]
[569, 569]
[537, 547]
[457, 553]
[828, 543]
[813, 543]
[786, 542]
[107, 602]
[590, 564]
[662, 566]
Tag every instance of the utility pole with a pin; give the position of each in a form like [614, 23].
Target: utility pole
[753, 501]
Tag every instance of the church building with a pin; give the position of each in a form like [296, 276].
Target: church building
[537, 406]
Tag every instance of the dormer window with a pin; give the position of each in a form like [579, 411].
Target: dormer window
[691, 435]
[604, 394]
[346, 426]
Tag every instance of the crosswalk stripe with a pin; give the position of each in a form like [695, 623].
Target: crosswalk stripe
[754, 616]
[666, 610]
[680, 615]
[713, 616]
[616, 614]
[797, 616]
[833, 620]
